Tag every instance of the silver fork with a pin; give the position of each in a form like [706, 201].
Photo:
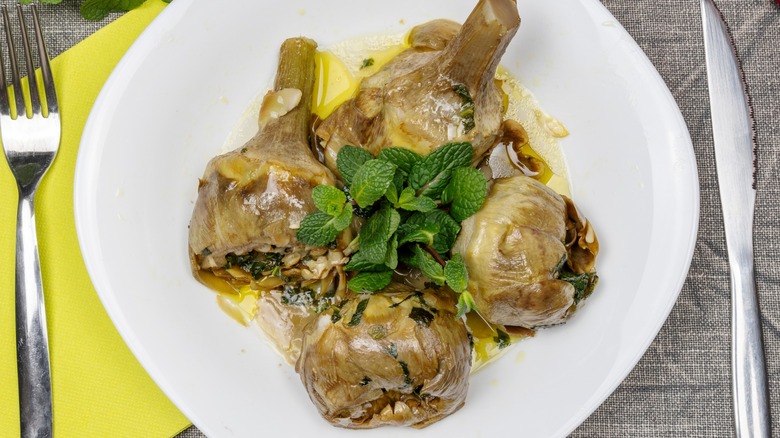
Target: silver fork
[30, 138]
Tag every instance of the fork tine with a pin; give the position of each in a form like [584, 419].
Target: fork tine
[15, 78]
[32, 79]
[43, 54]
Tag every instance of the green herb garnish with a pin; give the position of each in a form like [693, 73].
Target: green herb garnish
[421, 316]
[466, 107]
[583, 283]
[361, 307]
[368, 62]
[370, 281]
[413, 206]
[254, 263]
[502, 339]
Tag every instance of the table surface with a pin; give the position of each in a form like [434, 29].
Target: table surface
[682, 386]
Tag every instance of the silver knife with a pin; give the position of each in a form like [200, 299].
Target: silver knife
[735, 159]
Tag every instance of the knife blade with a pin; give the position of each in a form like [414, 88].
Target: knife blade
[735, 161]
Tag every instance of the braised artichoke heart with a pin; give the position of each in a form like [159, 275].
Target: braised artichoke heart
[254, 198]
[516, 250]
[441, 89]
[392, 358]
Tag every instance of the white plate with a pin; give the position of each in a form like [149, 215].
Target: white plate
[170, 104]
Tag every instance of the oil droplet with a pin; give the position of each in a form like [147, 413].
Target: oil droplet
[340, 70]
[334, 84]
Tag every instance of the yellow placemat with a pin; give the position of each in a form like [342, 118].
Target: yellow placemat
[99, 388]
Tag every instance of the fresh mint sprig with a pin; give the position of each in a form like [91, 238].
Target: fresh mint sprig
[413, 205]
[322, 227]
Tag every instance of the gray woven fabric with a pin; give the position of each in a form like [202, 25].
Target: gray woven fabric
[681, 387]
[63, 25]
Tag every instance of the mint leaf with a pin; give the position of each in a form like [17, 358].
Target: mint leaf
[408, 201]
[466, 191]
[99, 9]
[371, 181]
[349, 159]
[465, 304]
[391, 257]
[448, 156]
[455, 274]
[329, 199]
[423, 233]
[404, 159]
[318, 229]
[376, 233]
[358, 262]
[370, 281]
[398, 180]
[448, 228]
[392, 194]
[343, 219]
[425, 262]
[434, 188]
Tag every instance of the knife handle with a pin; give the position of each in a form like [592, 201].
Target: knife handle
[751, 395]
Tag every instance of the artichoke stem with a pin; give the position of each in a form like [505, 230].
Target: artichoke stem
[296, 70]
[472, 57]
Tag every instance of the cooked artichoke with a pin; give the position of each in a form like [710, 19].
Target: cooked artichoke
[518, 257]
[441, 89]
[254, 198]
[392, 358]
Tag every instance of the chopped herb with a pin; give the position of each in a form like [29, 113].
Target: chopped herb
[361, 307]
[277, 272]
[368, 62]
[394, 305]
[336, 316]
[254, 263]
[421, 316]
[583, 283]
[326, 301]
[502, 339]
[392, 350]
[405, 368]
[466, 107]
[293, 296]
[243, 150]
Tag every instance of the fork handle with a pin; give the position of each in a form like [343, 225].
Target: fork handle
[32, 345]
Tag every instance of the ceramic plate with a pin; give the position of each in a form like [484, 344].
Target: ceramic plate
[172, 102]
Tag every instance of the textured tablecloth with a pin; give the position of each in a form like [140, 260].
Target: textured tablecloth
[682, 385]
